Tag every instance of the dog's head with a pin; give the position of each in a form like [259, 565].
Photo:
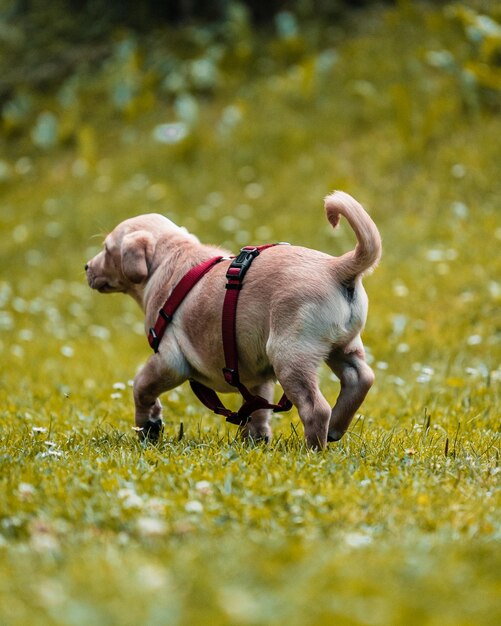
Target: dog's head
[128, 256]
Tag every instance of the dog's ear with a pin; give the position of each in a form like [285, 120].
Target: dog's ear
[137, 253]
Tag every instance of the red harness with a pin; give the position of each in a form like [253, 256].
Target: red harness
[235, 276]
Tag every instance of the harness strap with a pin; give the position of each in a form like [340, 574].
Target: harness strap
[235, 276]
[207, 396]
[180, 291]
[212, 401]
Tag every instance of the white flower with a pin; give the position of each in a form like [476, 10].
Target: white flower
[170, 133]
[99, 332]
[67, 351]
[52, 453]
[357, 540]
[130, 499]
[26, 491]
[474, 340]
[151, 526]
[203, 486]
[194, 506]
[400, 289]
[152, 577]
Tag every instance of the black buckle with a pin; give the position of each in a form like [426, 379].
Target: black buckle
[238, 420]
[231, 376]
[153, 339]
[242, 263]
[165, 315]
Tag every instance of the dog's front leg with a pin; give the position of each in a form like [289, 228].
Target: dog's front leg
[152, 379]
[356, 379]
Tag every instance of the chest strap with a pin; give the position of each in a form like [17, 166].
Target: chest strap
[234, 285]
[179, 293]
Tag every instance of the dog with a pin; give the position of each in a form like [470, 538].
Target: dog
[299, 307]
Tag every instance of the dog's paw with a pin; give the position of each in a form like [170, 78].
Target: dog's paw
[334, 436]
[261, 434]
[151, 431]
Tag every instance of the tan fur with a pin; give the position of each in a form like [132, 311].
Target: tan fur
[298, 307]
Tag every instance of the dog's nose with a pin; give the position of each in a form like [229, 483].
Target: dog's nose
[86, 266]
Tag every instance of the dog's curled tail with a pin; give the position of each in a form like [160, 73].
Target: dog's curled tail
[367, 252]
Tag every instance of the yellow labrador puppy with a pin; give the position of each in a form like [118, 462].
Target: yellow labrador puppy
[299, 307]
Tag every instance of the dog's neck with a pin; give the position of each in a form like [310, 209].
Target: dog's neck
[137, 293]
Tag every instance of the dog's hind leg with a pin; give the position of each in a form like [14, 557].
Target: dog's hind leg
[299, 381]
[356, 379]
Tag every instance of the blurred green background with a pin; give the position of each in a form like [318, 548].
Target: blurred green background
[235, 119]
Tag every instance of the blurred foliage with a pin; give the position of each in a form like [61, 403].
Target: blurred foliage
[105, 14]
[87, 56]
[477, 67]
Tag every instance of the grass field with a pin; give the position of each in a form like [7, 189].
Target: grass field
[396, 524]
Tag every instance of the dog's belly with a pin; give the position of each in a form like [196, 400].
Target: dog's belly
[205, 360]
[250, 379]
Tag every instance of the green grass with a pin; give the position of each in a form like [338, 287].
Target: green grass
[396, 524]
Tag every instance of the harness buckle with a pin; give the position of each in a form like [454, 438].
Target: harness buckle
[163, 313]
[231, 376]
[241, 264]
[154, 339]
